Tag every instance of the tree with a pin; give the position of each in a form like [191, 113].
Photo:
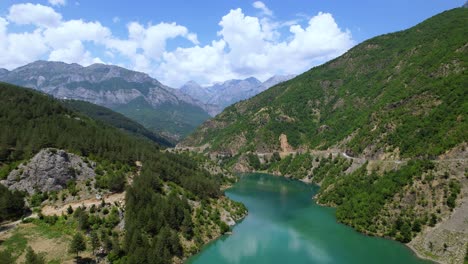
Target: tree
[11, 204]
[77, 244]
[70, 210]
[5, 257]
[33, 258]
[187, 225]
[95, 243]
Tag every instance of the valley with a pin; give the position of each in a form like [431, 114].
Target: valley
[362, 126]
[307, 140]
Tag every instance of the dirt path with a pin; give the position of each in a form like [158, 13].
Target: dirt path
[58, 210]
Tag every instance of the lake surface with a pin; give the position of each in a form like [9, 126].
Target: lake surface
[285, 225]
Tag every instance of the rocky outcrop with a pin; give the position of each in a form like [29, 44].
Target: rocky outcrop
[49, 170]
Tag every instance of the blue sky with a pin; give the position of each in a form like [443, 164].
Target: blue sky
[206, 41]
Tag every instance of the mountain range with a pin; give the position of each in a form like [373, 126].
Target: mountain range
[172, 113]
[131, 93]
[229, 92]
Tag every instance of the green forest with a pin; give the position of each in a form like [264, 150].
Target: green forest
[32, 121]
[114, 119]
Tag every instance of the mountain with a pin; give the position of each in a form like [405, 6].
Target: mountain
[272, 81]
[229, 92]
[115, 119]
[134, 94]
[145, 197]
[382, 129]
[383, 96]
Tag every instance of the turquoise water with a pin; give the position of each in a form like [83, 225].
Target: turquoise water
[285, 225]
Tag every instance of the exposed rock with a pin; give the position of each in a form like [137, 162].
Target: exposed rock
[285, 147]
[49, 170]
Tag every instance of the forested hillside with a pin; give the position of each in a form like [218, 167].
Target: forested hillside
[158, 214]
[401, 93]
[382, 129]
[114, 119]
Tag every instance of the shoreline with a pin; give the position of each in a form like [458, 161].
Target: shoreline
[309, 182]
[214, 239]
[419, 255]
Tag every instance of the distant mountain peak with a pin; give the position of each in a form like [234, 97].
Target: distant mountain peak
[225, 93]
[3, 71]
[191, 83]
[252, 79]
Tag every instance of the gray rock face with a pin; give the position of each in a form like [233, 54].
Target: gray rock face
[49, 170]
[3, 71]
[227, 93]
[102, 84]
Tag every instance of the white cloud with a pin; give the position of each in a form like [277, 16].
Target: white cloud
[73, 52]
[58, 2]
[66, 32]
[146, 46]
[17, 48]
[260, 5]
[246, 45]
[116, 19]
[205, 64]
[39, 15]
[251, 47]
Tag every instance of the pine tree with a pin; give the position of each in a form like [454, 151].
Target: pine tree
[77, 244]
[33, 258]
[5, 257]
[95, 243]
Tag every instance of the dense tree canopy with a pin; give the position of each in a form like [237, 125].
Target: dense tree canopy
[154, 219]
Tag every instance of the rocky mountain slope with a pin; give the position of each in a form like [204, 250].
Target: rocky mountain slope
[230, 92]
[133, 94]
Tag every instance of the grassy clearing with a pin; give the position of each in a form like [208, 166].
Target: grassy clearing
[53, 240]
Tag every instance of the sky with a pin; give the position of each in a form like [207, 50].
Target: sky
[206, 41]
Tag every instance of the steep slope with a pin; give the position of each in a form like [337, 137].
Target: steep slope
[384, 95]
[116, 88]
[61, 157]
[229, 92]
[114, 119]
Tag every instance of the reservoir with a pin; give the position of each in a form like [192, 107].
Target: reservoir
[285, 225]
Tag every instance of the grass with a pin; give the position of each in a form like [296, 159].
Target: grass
[16, 244]
[41, 237]
[58, 230]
